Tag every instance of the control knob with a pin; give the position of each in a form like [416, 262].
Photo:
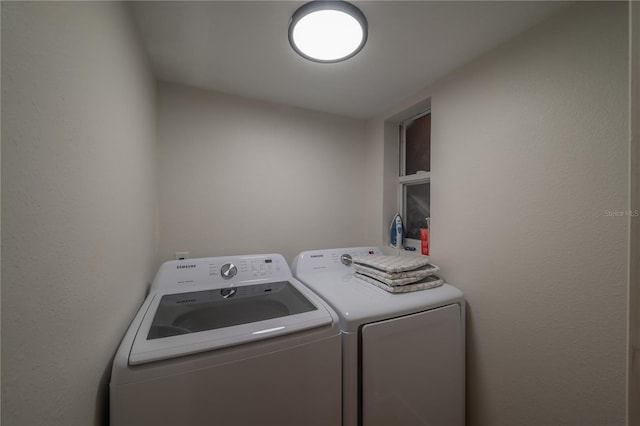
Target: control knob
[346, 259]
[228, 270]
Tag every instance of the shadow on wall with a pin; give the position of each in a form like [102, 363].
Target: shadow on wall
[102, 397]
[473, 377]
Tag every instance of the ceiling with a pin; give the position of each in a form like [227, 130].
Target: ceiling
[241, 48]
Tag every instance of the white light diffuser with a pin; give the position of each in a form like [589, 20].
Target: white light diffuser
[328, 31]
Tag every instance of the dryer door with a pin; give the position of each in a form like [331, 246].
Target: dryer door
[413, 369]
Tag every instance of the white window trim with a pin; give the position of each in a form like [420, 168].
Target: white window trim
[420, 177]
[407, 180]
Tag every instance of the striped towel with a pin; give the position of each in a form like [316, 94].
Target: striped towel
[392, 263]
[405, 276]
[397, 273]
[431, 281]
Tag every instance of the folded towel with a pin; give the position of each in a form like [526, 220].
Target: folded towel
[393, 282]
[415, 275]
[392, 264]
[431, 281]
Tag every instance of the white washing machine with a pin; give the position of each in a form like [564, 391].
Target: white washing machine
[229, 341]
[403, 354]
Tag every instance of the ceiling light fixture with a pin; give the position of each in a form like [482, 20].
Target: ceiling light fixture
[327, 31]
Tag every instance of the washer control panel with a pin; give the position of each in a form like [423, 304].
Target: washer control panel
[221, 272]
[248, 268]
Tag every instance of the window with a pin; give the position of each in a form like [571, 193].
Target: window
[415, 176]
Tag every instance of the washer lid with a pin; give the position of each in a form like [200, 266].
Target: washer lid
[184, 323]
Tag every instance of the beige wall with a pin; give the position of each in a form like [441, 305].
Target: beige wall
[238, 176]
[78, 202]
[529, 151]
[634, 221]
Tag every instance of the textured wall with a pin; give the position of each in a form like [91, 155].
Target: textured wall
[240, 176]
[634, 221]
[78, 204]
[529, 154]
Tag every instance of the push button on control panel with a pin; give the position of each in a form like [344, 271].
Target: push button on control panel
[264, 267]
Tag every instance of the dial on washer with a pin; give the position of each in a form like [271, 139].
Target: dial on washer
[228, 270]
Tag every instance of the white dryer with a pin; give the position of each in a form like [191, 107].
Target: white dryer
[403, 354]
[229, 341]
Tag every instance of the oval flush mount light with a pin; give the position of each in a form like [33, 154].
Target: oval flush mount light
[327, 31]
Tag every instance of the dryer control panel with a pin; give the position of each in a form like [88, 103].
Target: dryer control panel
[220, 272]
[331, 259]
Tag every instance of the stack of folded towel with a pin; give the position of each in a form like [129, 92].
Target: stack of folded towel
[397, 274]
